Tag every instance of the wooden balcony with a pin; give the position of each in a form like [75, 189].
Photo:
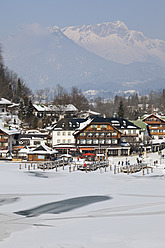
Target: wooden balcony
[130, 135]
[3, 140]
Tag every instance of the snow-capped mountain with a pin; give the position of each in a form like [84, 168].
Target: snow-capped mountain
[45, 57]
[114, 41]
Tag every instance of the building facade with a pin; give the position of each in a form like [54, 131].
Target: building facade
[156, 126]
[100, 136]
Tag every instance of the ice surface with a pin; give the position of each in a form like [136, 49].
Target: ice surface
[78, 209]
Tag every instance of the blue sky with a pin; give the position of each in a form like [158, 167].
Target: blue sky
[143, 15]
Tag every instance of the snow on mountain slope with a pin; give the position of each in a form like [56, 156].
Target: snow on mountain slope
[47, 57]
[113, 41]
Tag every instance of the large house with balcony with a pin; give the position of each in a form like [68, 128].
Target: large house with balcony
[113, 136]
[100, 136]
[156, 126]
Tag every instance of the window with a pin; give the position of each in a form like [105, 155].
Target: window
[58, 133]
[82, 134]
[69, 133]
[103, 126]
[114, 141]
[108, 134]
[63, 133]
[82, 141]
[69, 141]
[134, 131]
[89, 141]
[114, 134]
[124, 152]
[37, 142]
[101, 141]
[63, 141]
[93, 126]
[58, 141]
[108, 141]
[113, 152]
[95, 141]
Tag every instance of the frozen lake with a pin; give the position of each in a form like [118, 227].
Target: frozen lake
[49, 209]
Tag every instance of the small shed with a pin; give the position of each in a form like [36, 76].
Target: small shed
[42, 153]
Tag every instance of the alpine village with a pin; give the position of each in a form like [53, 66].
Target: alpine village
[52, 123]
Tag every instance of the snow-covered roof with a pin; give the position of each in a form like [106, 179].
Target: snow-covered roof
[70, 107]
[155, 115]
[42, 149]
[64, 108]
[9, 132]
[5, 101]
[131, 127]
[14, 105]
[24, 150]
[83, 125]
[40, 108]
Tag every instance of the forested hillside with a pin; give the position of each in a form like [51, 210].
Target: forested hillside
[11, 86]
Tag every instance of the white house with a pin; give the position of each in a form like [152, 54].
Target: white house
[62, 133]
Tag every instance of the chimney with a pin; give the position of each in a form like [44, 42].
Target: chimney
[152, 109]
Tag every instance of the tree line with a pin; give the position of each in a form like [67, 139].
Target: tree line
[130, 107]
[133, 106]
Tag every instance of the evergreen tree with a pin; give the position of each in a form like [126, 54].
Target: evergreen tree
[30, 108]
[120, 111]
[34, 122]
[21, 111]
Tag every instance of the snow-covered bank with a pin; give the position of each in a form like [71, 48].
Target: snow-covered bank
[80, 209]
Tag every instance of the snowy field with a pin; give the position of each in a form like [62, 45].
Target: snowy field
[49, 209]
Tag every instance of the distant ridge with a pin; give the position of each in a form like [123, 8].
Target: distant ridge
[87, 57]
[114, 41]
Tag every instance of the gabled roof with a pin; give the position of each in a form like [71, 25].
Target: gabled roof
[122, 123]
[156, 116]
[83, 126]
[97, 120]
[90, 113]
[63, 108]
[42, 149]
[40, 108]
[141, 124]
[70, 107]
[68, 124]
[9, 132]
[5, 101]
